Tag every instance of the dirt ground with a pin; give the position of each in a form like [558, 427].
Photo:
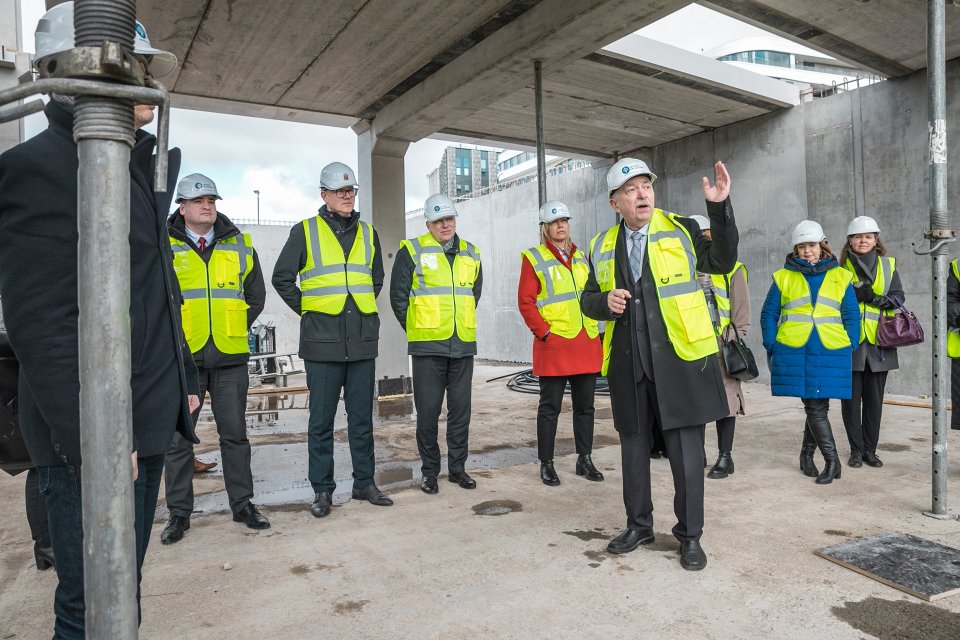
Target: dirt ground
[515, 558]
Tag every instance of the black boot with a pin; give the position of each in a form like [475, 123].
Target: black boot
[548, 474]
[723, 466]
[820, 427]
[585, 468]
[806, 453]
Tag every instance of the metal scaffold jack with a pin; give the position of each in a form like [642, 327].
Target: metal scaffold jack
[107, 81]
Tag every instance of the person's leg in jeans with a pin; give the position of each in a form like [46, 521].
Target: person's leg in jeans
[37, 518]
[61, 491]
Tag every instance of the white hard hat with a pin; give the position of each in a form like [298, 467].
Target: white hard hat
[553, 210]
[337, 175]
[807, 231]
[703, 221]
[625, 169]
[437, 207]
[194, 186]
[862, 224]
[55, 34]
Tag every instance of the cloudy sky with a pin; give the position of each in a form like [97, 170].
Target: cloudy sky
[283, 159]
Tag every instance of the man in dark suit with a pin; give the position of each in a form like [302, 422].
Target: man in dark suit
[660, 348]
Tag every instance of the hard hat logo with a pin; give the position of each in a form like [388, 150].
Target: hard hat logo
[141, 31]
[436, 208]
[346, 176]
[198, 185]
[625, 170]
[554, 210]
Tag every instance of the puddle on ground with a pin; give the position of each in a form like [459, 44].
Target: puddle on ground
[349, 606]
[919, 439]
[663, 542]
[497, 507]
[890, 619]
[587, 536]
[596, 556]
[837, 532]
[893, 447]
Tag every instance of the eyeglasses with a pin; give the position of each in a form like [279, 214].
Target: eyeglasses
[343, 194]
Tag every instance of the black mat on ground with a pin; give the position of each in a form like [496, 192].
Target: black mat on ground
[922, 568]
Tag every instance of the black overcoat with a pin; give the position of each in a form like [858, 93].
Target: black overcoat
[38, 290]
[688, 393]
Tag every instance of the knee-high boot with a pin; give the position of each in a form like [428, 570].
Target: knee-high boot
[820, 427]
[807, 465]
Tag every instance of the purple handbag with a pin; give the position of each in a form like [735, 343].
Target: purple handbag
[902, 329]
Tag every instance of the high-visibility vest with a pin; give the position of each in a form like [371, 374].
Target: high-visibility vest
[673, 265]
[213, 301]
[722, 295]
[441, 294]
[799, 315]
[869, 314]
[559, 299]
[326, 278]
[953, 335]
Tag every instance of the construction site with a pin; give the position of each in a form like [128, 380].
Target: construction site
[515, 557]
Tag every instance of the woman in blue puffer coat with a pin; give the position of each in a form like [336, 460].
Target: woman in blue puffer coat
[810, 320]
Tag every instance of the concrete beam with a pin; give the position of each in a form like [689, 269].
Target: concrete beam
[381, 175]
[253, 110]
[555, 31]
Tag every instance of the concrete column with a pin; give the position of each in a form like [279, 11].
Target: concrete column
[382, 201]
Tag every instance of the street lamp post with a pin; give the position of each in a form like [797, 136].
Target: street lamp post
[257, 191]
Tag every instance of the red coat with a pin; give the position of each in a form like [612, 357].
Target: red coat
[557, 356]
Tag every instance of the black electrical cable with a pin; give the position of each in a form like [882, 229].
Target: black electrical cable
[526, 382]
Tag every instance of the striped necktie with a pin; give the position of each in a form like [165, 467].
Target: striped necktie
[202, 244]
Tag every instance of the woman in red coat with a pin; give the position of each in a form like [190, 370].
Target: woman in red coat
[566, 346]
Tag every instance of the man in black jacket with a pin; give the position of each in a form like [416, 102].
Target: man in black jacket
[337, 258]
[223, 293]
[661, 358]
[38, 287]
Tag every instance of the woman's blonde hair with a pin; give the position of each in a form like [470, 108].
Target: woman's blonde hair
[880, 249]
[825, 251]
[546, 241]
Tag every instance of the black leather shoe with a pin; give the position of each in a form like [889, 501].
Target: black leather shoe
[871, 459]
[723, 467]
[429, 485]
[174, 530]
[856, 459]
[586, 469]
[373, 495]
[692, 557]
[630, 539]
[321, 504]
[43, 557]
[548, 474]
[250, 515]
[461, 478]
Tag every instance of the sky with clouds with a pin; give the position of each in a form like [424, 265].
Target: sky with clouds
[283, 159]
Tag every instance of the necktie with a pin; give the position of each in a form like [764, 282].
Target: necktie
[202, 244]
[636, 255]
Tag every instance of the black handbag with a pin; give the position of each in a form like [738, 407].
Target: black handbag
[13, 451]
[738, 358]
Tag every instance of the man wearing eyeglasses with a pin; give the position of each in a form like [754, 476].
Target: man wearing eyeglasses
[337, 258]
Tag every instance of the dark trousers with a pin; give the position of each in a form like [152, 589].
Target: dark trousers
[228, 400]
[685, 452]
[325, 380]
[725, 429]
[36, 510]
[61, 491]
[582, 388]
[434, 376]
[862, 412]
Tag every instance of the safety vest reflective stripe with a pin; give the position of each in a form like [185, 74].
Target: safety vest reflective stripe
[327, 277]
[213, 299]
[441, 295]
[800, 315]
[672, 260]
[558, 300]
[869, 314]
[721, 294]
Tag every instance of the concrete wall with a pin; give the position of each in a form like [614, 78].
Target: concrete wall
[859, 153]
[13, 64]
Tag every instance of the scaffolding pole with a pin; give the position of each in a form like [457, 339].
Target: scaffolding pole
[541, 153]
[940, 236]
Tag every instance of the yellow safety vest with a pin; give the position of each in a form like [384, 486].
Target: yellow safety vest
[673, 264]
[799, 315]
[559, 299]
[953, 335]
[722, 295]
[869, 314]
[441, 294]
[327, 278]
[213, 302]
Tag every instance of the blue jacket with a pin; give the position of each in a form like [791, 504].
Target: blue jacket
[810, 371]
